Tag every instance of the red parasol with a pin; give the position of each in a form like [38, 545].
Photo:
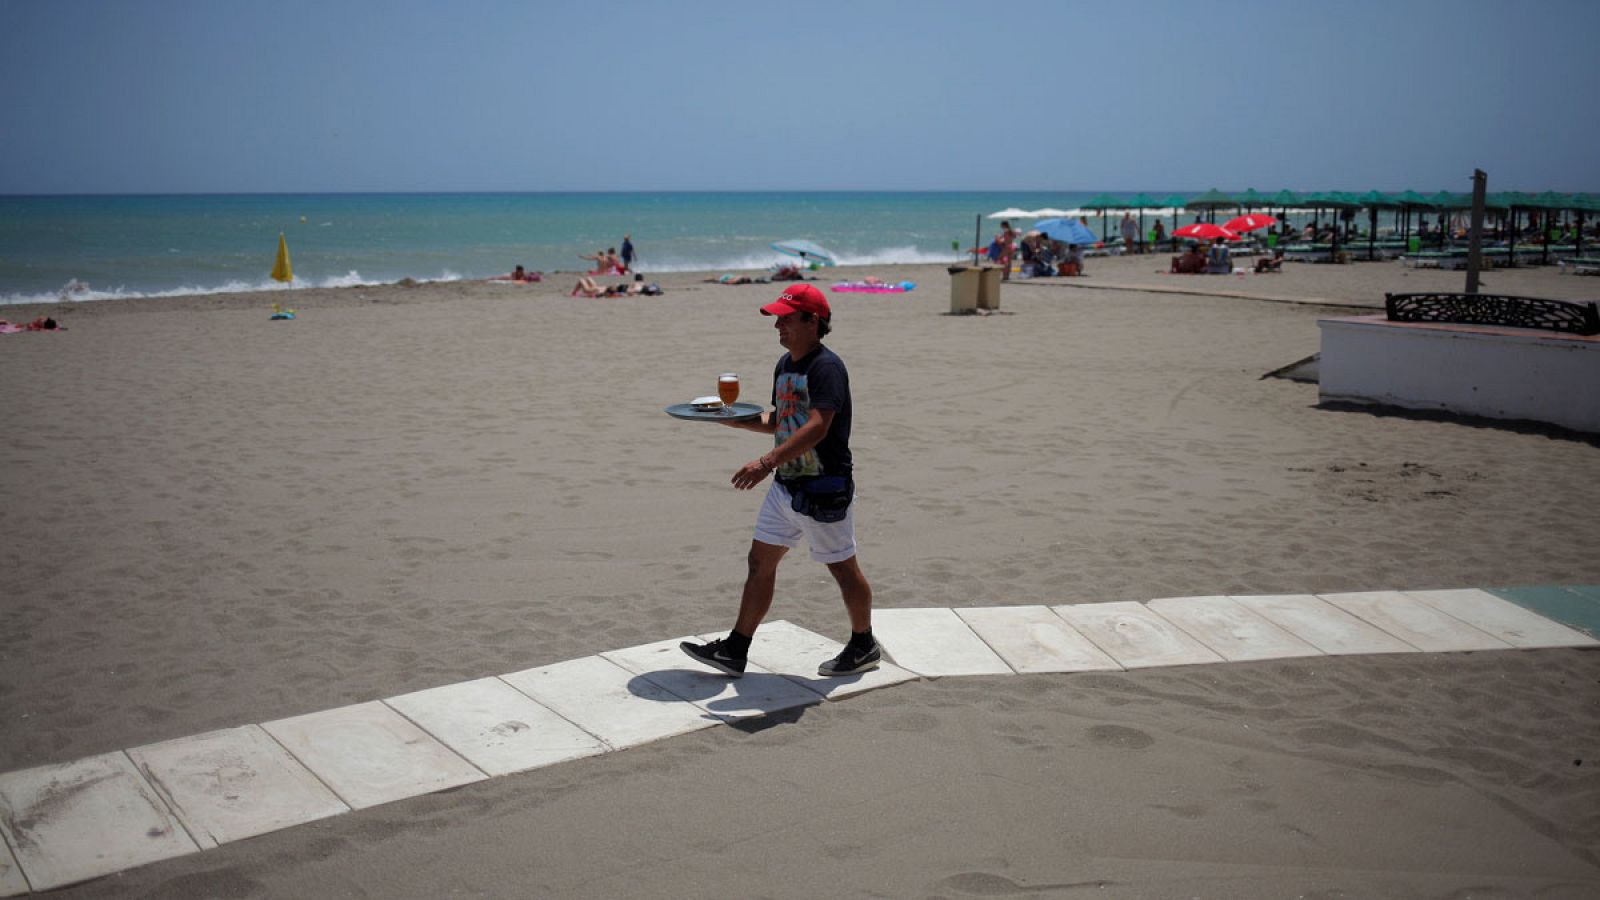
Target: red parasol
[1205, 231]
[1250, 223]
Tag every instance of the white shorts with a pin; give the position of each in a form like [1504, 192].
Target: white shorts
[778, 523]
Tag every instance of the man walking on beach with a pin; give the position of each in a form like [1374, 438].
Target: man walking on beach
[812, 492]
[627, 252]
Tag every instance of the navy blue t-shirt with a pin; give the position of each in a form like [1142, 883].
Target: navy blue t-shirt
[817, 381]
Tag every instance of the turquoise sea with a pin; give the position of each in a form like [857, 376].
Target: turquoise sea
[98, 247]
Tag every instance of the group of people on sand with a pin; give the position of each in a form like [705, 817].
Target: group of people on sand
[1202, 259]
[787, 272]
[1042, 256]
[608, 262]
[1216, 259]
[587, 287]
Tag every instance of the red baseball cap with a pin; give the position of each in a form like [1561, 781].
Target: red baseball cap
[799, 298]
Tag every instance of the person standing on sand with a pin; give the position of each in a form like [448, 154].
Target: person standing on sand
[812, 492]
[1130, 234]
[1008, 246]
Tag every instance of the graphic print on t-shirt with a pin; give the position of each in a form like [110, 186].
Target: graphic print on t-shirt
[794, 409]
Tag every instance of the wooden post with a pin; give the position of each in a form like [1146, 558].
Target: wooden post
[977, 239]
[1480, 184]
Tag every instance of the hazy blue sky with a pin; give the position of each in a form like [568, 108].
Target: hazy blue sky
[482, 95]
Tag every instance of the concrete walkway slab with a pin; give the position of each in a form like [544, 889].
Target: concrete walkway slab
[934, 642]
[1414, 622]
[496, 727]
[757, 693]
[12, 883]
[83, 819]
[608, 701]
[1323, 625]
[235, 783]
[1503, 619]
[370, 754]
[1136, 636]
[1034, 639]
[1229, 628]
[795, 653]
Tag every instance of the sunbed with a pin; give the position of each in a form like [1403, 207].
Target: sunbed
[1579, 265]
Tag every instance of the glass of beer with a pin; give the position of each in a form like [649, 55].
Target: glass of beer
[728, 388]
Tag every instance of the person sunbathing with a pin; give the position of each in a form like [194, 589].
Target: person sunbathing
[1192, 262]
[1219, 261]
[637, 286]
[1275, 264]
[587, 288]
[519, 275]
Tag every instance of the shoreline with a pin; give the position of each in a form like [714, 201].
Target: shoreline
[1352, 285]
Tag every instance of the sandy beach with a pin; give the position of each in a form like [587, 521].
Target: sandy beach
[212, 519]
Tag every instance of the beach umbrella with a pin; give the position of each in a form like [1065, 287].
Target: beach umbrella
[1206, 231]
[1374, 201]
[1250, 222]
[1410, 201]
[1284, 200]
[1251, 198]
[1142, 202]
[1103, 202]
[1212, 201]
[1331, 200]
[1174, 203]
[1552, 202]
[281, 270]
[1586, 203]
[1066, 230]
[806, 251]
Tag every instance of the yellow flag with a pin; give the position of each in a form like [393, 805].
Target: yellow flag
[281, 270]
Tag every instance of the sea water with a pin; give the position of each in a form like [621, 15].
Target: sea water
[97, 247]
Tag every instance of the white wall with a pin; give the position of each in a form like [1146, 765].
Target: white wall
[1543, 377]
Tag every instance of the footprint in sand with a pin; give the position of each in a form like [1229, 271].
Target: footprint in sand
[1121, 737]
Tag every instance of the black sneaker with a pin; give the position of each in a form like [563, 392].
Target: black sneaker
[852, 661]
[715, 655]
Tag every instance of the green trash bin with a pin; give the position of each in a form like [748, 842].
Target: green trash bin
[1414, 245]
[1272, 240]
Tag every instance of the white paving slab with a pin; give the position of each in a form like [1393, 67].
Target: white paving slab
[12, 883]
[1135, 636]
[496, 727]
[795, 653]
[1230, 629]
[935, 642]
[1323, 625]
[235, 783]
[83, 819]
[1505, 620]
[608, 701]
[1034, 639]
[1414, 622]
[756, 693]
[370, 754]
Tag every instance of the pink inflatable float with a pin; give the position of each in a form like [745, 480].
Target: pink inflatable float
[872, 287]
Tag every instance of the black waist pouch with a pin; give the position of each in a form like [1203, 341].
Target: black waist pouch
[825, 498]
